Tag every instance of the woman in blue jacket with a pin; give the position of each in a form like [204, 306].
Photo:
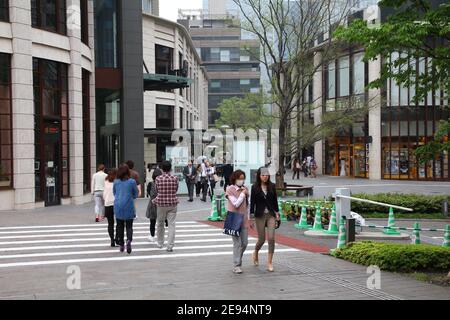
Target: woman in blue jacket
[125, 191]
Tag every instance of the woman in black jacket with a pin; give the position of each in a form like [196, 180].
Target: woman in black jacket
[264, 209]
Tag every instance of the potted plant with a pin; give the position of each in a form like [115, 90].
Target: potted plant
[4, 180]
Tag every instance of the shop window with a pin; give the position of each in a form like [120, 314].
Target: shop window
[49, 15]
[4, 10]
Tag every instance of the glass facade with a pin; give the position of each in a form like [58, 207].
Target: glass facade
[406, 125]
[51, 131]
[84, 21]
[49, 15]
[86, 132]
[4, 10]
[233, 85]
[108, 126]
[347, 154]
[6, 148]
[106, 33]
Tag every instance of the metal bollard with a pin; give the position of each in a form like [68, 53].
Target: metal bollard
[445, 208]
[349, 230]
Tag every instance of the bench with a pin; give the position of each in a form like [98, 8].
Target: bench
[300, 191]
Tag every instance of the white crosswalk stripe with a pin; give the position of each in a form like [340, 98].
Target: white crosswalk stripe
[26, 246]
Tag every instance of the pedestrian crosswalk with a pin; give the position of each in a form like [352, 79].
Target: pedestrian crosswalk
[27, 246]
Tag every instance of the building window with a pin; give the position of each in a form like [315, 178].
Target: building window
[51, 131]
[358, 74]
[84, 21]
[49, 15]
[331, 80]
[6, 162]
[344, 76]
[106, 27]
[147, 6]
[86, 132]
[181, 118]
[163, 60]
[225, 55]
[164, 117]
[4, 10]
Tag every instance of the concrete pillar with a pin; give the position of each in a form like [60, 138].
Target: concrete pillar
[22, 104]
[75, 102]
[375, 101]
[93, 138]
[317, 98]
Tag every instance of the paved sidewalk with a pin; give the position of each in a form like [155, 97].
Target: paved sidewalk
[324, 186]
[195, 270]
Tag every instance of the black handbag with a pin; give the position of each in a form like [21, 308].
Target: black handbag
[222, 183]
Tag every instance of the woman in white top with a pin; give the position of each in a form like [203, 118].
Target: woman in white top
[108, 196]
[97, 187]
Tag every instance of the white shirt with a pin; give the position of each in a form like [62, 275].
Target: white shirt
[98, 181]
[108, 195]
[203, 174]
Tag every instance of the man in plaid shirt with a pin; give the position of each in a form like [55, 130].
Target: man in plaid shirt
[166, 202]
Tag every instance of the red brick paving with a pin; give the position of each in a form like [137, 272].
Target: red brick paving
[281, 239]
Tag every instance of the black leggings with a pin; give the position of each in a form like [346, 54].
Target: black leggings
[153, 226]
[120, 229]
[109, 214]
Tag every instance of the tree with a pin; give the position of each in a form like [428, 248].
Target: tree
[287, 31]
[414, 31]
[243, 112]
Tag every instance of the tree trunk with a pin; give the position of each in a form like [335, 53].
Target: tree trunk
[281, 155]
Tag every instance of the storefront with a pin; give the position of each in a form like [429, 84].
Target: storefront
[347, 154]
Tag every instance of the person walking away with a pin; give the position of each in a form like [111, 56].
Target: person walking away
[204, 179]
[264, 209]
[125, 192]
[296, 169]
[190, 174]
[148, 178]
[97, 187]
[313, 168]
[108, 196]
[198, 185]
[227, 172]
[305, 168]
[166, 201]
[135, 175]
[238, 195]
[212, 178]
[151, 212]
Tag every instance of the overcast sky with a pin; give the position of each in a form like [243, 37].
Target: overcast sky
[169, 8]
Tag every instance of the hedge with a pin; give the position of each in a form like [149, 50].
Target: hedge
[418, 202]
[396, 257]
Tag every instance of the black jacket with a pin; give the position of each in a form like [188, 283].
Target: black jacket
[186, 172]
[259, 201]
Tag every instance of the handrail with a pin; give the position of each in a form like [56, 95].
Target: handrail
[374, 202]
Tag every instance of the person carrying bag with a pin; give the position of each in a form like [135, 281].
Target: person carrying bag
[236, 223]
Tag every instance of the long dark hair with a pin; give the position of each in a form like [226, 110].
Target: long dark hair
[258, 184]
[112, 174]
[123, 173]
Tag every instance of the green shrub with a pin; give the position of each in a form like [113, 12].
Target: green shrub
[417, 202]
[396, 257]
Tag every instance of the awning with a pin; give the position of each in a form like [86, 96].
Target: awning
[159, 82]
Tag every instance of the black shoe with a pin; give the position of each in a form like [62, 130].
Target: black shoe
[128, 247]
[204, 200]
[113, 243]
[191, 200]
